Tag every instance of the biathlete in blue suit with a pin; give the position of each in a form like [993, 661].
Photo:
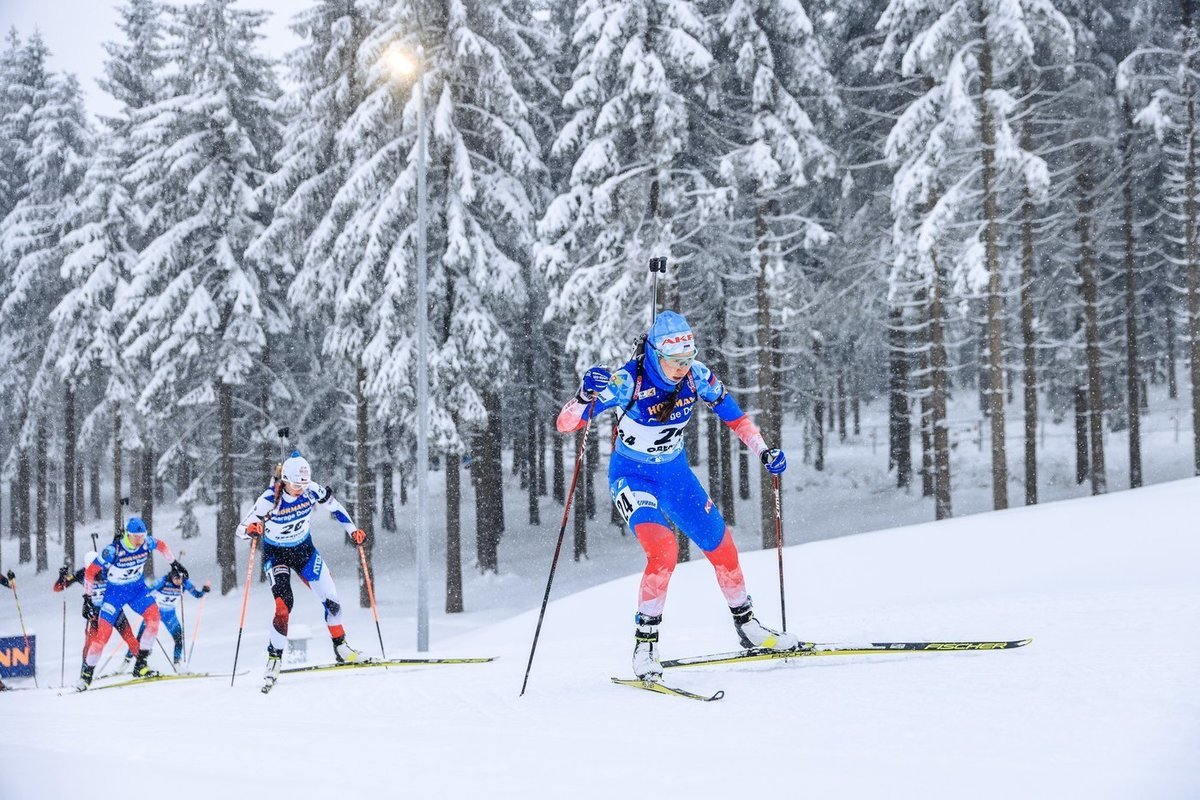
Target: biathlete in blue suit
[651, 483]
[125, 560]
[167, 593]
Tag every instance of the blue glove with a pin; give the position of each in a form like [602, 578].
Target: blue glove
[774, 460]
[594, 380]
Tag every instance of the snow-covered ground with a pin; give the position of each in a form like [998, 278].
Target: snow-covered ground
[1103, 704]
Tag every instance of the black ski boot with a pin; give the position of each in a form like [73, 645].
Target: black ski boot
[140, 670]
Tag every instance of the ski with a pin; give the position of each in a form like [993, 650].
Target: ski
[662, 688]
[810, 649]
[158, 679]
[389, 662]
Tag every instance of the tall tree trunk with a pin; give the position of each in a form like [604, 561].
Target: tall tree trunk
[388, 506]
[117, 461]
[728, 504]
[743, 454]
[1089, 288]
[148, 480]
[1191, 222]
[713, 453]
[226, 510]
[24, 476]
[818, 408]
[364, 480]
[841, 404]
[1082, 470]
[682, 543]
[926, 418]
[1172, 357]
[42, 508]
[94, 487]
[770, 416]
[559, 482]
[899, 422]
[938, 363]
[454, 573]
[995, 297]
[580, 549]
[531, 428]
[1133, 368]
[1028, 330]
[70, 483]
[489, 488]
[589, 469]
[80, 514]
[135, 479]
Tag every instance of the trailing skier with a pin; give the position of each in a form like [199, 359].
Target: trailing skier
[167, 593]
[92, 601]
[652, 485]
[281, 517]
[125, 561]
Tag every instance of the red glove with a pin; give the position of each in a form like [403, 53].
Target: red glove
[254, 529]
[359, 536]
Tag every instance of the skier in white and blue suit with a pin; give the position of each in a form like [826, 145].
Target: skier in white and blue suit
[167, 592]
[281, 517]
[651, 482]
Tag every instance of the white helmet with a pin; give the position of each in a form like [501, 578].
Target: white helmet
[296, 470]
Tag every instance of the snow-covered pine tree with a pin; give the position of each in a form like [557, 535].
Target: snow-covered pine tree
[1160, 80]
[640, 184]
[110, 230]
[197, 308]
[777, 95]
[328, 85]
[957, 155]
[52, 147]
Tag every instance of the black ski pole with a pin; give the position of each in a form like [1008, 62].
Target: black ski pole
[658, 265]
[558, 547]
[62, 672]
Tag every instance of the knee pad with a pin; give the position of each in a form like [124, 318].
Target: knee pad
[281, 586]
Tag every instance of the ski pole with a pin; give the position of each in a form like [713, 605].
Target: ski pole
[779, 549]
[170, 661]
[21, 617]
[195, 632]
[182, 618]
[371, 594]
[558, 547]
[62, 672]
[245, 597]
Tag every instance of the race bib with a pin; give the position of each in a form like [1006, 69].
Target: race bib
[653, 440]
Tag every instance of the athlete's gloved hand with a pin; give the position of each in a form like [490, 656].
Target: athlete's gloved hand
[253, 529]
[358, 536]
[206, 588]
[594, 380]
[182, 570]
[774, 460]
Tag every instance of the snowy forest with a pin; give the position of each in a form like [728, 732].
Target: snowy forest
[892, 201]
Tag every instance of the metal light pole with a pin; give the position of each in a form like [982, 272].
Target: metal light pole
[422, 373]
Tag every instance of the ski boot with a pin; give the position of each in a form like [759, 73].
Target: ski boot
[753, 634]
[85, 678]
[140, 670]
[345, 654]
[274, 662]
[645, 649]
